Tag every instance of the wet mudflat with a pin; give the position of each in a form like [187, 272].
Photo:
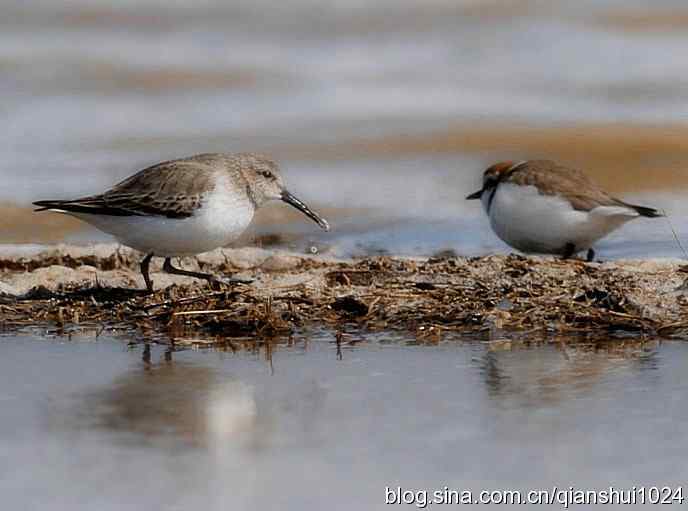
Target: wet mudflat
[499, 297]
[302, 424]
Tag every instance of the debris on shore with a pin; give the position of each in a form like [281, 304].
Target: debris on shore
[498, 297]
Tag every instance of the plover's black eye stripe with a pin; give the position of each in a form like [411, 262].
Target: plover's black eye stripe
[493, 182]
[492, 191]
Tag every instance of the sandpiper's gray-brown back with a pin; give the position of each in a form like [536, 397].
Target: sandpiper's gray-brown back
[175, 188]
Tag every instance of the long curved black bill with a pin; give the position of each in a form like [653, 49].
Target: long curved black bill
[293, 201]
[476, 195]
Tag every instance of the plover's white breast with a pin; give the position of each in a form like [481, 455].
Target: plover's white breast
[225, 213]
[532, 222]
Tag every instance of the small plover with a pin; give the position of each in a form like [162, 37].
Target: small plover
[184, 207]
[539, 206]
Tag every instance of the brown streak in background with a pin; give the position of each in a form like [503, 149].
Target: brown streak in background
[620, 157]
[382, 20]
[19, 225]
[637, 20]
[116, 77]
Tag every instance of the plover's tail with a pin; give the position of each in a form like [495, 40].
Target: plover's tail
[645, 211]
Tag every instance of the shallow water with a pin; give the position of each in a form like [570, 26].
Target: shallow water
[303, 429]
[341, 92]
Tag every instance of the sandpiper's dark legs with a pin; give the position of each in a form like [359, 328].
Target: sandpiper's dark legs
[591, 255]
[145, 264]
[167, 266]
[569, 251]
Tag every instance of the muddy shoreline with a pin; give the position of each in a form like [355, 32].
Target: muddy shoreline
[495, 297]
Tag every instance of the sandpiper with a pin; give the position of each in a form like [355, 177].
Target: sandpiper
[184, 207]
[539, 206]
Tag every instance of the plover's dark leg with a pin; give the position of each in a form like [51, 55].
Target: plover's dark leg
[167, 266]
[591, 255]
[569, 251]
[145, 264]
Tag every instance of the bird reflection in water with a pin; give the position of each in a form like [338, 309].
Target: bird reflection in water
[170, 400]
[522, 370]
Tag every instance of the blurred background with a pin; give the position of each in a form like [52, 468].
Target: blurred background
[383, 114]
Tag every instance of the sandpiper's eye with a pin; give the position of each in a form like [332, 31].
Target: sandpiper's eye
[266, 173]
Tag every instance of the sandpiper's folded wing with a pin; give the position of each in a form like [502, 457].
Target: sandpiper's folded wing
[153, 191]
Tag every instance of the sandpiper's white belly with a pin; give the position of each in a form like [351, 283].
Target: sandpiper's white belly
[532, 222]
[222, 218]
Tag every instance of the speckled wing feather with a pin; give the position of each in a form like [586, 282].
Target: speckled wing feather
[173, 189]
[572, 184]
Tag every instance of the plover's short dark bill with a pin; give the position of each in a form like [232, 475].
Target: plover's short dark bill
[538, 206]
[184, 207]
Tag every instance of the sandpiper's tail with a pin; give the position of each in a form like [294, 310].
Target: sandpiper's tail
[63, 206]
[45, 205]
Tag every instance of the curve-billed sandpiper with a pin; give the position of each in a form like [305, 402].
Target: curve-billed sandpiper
[184, 207]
